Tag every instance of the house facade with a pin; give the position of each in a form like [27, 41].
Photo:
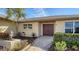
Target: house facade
[42, 26]
[47, 26]
[7, 26]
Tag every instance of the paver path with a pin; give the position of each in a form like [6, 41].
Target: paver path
[41, 44]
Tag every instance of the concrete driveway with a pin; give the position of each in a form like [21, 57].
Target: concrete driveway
[41, 44]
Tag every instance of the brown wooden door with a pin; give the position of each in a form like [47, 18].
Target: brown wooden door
[48, 29]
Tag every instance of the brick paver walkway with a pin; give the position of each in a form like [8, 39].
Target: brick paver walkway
[41, 44]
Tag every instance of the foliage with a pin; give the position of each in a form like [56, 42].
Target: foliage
[60, 46]
[74, 42]
[74, 47]
[16, 13]
[66, 36]
[71, 41]
[58, 37]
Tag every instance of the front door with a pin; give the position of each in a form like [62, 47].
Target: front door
[48, 29]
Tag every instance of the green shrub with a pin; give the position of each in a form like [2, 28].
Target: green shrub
[58, 37]
[66, 36]
[74, 47]
[74, 42]
[66, 40]
[68, 44]
[60, 46]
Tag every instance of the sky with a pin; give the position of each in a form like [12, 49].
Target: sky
[41, 12]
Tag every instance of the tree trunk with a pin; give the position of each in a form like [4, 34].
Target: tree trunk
[17, 25]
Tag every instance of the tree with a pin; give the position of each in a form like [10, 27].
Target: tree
[16, 13]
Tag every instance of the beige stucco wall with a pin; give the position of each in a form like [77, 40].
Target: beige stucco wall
[7, 26]
[60, 25]
[37, 28]
[28, 32]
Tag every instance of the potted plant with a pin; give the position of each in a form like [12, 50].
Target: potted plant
[33, 35]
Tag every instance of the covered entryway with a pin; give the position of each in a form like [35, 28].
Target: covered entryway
[48, 29]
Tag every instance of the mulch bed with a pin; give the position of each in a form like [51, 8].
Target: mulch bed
[29, 39]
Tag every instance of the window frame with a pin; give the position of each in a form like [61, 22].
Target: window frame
[66, 28]
[75, 25]
[25, 27]
[30, 27]
[74, 22]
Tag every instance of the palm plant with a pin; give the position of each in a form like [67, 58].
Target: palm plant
[16, 13]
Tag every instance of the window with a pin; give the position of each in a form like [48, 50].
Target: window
[69, 27]
[30, 26]
[25, 26]
[76, 27]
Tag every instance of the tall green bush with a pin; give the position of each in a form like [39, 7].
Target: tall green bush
[65, 36]
[58, 37]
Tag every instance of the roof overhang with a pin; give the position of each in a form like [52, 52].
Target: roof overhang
[52, 18]
[2, 17]
[48, 18]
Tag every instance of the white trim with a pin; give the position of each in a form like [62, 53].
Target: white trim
[73, 27]
[64, 27]
[42, 29]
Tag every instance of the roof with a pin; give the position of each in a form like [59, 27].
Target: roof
[47, 18]
[3, 17]
[51, 18]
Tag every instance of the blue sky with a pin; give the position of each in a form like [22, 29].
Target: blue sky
[40, 12]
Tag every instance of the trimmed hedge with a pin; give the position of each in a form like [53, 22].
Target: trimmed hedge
[66, 36]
